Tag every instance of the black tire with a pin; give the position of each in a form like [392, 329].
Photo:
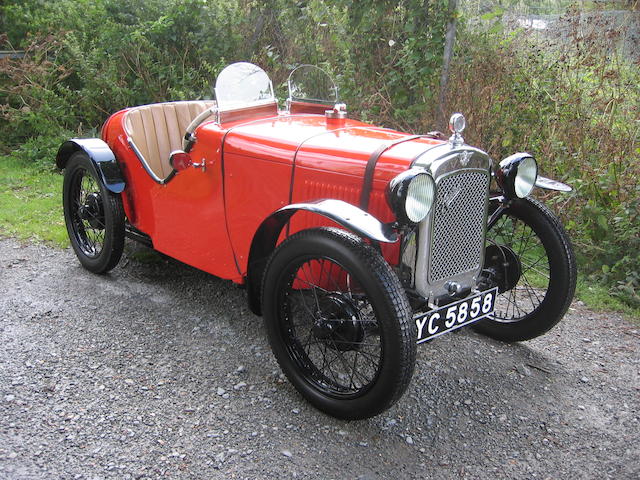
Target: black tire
[546, 270]
[318, 335]
[94, 216]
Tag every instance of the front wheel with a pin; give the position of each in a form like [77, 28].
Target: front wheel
[530, 258]
[339, 323]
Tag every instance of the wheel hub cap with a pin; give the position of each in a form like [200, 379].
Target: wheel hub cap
[92, 211]
[503, 266]
[337, 323]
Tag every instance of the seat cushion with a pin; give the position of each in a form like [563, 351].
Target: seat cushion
[158, 129]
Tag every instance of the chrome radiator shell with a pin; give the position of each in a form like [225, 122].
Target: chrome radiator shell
[450, 241]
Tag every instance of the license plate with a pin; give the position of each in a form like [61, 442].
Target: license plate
[455, 315]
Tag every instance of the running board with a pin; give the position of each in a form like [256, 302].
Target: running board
[139, 236]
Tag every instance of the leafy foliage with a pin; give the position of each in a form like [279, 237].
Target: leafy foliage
[572, 106]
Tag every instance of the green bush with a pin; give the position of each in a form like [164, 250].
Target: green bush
[85, 60]
[574, 109]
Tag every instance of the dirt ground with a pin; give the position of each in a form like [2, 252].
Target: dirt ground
[160, 371]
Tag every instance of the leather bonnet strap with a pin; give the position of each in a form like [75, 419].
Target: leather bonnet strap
[367, 182]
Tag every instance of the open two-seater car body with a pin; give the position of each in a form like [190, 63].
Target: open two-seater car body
[355, 242]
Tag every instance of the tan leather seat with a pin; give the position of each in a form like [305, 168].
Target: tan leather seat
[158, 129]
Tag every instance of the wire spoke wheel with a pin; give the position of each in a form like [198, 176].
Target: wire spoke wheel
[94, 216]
[530, 259]
[88, 214]
[534, 272]
[339, 323]
[331, 331]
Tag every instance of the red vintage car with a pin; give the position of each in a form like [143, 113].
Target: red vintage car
[355, 242]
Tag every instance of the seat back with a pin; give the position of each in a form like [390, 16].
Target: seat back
[158, 129]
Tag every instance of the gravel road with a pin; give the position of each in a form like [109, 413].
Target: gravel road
[160, 371]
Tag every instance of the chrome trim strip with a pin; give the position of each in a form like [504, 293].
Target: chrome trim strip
[444, 158]
[145, 165]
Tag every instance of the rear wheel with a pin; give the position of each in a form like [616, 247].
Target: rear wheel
[339, 323]
[94, 216]
[530, 258]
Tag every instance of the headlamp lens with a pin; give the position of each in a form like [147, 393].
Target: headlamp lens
[526, 177]
[420, 196]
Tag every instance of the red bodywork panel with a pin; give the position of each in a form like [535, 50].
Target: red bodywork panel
[208, 218]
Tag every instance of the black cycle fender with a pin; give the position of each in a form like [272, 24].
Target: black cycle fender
[264, 241]
[101, 156]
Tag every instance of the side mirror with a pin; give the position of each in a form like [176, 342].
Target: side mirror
[180, 160]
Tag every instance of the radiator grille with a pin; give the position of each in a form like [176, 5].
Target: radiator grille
[457, 237]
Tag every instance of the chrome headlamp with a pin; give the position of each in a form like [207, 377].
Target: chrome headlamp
[517, 175]
[411, 195]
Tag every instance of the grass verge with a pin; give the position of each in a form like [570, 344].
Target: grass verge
[31, 203]
[597, 297]
[31, 209]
